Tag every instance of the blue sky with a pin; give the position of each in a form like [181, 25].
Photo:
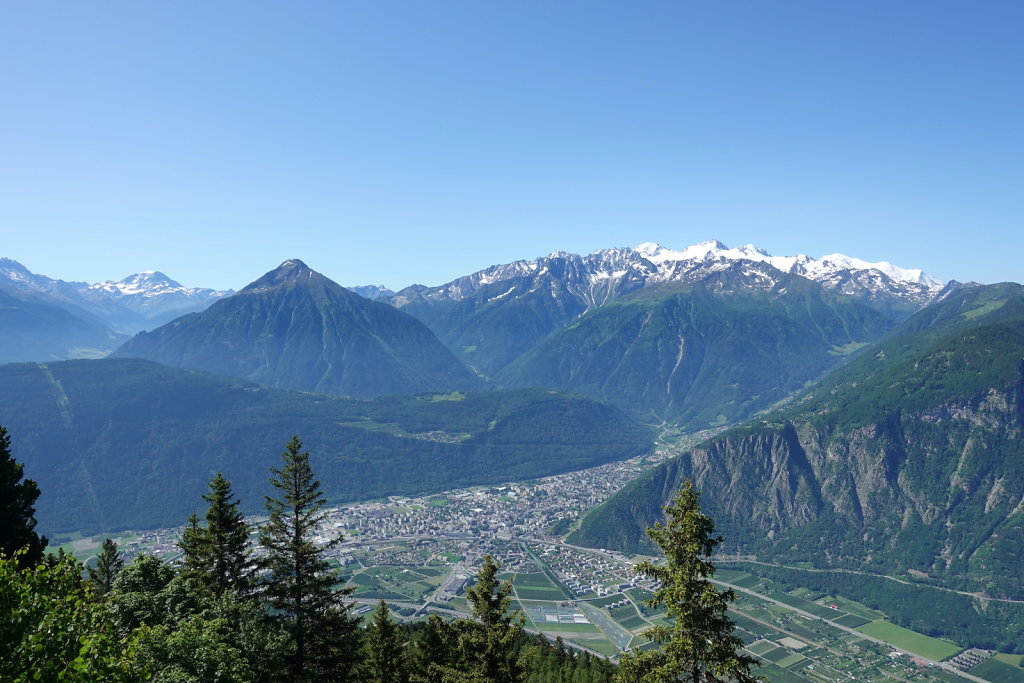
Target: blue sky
[400, 142]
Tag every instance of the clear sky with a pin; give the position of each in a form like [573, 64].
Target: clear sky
[416, 141]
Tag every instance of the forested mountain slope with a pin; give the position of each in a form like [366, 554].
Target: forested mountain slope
[702, 355]
[128, 443]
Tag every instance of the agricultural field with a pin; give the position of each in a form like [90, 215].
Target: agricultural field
[536, 587]
[1001, 669]
[910, 641]
[401, 584]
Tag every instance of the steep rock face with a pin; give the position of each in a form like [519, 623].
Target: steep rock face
[294, 328]
[910, 458]
[942, 498]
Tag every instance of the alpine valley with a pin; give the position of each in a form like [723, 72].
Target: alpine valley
[868, 418]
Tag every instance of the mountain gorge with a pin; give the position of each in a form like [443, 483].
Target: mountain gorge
[908, 460]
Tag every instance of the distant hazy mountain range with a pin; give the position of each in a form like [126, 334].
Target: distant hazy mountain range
[46, 319]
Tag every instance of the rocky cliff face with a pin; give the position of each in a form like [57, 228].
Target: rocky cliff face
[908, 460]
[939, 492]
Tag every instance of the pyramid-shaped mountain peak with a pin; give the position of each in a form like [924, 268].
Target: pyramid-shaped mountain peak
[295, 328]
[292, 270]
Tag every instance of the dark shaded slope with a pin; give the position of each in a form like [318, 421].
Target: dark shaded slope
[127, 443]
[293, 328]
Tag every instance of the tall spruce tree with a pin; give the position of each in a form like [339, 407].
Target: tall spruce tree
[488, 643]
[700, 644]
[17, 514]
[219, 554]
[384, 660]
[108, 565]
[301, 588]
[435, 653]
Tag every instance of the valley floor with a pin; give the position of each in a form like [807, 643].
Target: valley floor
[420, 553]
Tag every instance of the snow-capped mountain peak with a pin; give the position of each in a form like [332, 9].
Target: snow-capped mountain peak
[147, 283]
[137, 302]
[604, 275]
[801, 264]
[834, 262]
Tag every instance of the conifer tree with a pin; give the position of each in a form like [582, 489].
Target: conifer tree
[108, 565]
[700, 644]
[301, 588]
[219, 553]
[488, 644]
[435, 652]
[385, 657]
[17, 514]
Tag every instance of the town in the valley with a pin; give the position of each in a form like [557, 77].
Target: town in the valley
[420, 553]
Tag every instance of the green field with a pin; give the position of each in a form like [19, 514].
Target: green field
[552, 593]
[605, 601]
[850, 620]
[999, 670]
[536, 586]
[536, 580]
[761, 647]
[776, 674]
[603, 646]
[854, 607]
[790, 660]
[911, 641]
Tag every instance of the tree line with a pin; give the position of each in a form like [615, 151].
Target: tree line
[226, 613]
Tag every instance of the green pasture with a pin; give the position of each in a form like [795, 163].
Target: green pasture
[910, 641]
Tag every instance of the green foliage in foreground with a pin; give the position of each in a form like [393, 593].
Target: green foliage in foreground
[118, 444]
[699, 645]
[53, 627]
